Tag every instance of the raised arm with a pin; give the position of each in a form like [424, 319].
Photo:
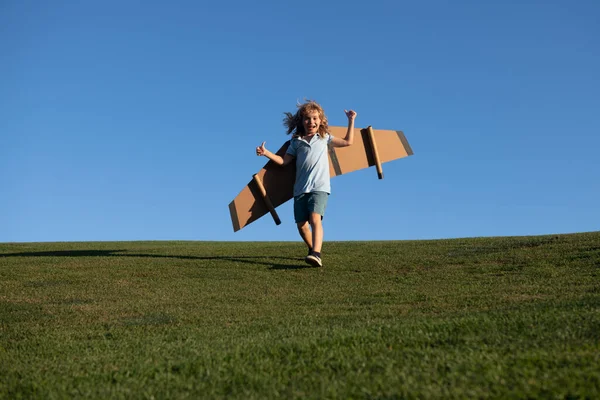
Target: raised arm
[262, 151]
[349, 138]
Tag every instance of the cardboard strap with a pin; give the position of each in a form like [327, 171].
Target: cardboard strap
[375, 152]
[266, 199]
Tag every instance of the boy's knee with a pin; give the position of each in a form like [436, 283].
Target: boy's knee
[302, 225]
[315, 219]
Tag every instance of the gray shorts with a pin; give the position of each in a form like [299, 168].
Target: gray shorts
[308, 203]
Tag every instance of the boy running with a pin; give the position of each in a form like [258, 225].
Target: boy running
[309, 148]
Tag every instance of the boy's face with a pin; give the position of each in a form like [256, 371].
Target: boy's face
[311, 122]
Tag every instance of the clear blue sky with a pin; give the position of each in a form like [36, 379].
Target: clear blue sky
[131, 120]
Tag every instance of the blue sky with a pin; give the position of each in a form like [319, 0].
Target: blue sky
[130, 120]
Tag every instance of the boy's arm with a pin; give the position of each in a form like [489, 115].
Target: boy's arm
[285, 160]
[349, 138]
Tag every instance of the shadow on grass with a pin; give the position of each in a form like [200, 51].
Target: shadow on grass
[119, 253]
[300, 266]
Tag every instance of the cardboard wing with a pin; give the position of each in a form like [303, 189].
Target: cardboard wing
[273, 185]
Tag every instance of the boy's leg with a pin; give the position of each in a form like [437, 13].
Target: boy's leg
[304, 230]
[317, 231]
[316, 205]
[314, 258]
[301, 215]
[309, 209]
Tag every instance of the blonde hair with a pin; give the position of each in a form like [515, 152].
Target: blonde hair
[293, 122]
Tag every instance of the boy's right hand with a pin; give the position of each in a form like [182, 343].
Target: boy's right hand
[261, 150]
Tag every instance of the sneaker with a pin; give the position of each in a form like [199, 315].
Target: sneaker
[313, 260]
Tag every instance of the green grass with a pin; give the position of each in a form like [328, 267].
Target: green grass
[515, 317]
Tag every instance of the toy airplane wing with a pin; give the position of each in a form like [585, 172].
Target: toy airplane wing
[273, 185]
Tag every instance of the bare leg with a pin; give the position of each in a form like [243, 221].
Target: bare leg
[304, 230]
[317, 231]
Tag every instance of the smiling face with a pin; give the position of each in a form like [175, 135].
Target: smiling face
[311, 122]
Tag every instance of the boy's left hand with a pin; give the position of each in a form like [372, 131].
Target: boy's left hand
[350, 114]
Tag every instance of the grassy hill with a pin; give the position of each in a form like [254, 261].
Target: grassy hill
[462, 318]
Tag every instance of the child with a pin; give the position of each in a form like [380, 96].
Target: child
[308, 148]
